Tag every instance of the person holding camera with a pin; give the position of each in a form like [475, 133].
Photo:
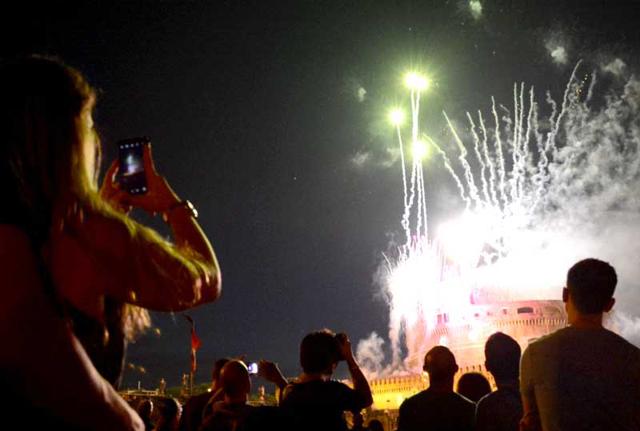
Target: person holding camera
[316, 402]
[78, 273]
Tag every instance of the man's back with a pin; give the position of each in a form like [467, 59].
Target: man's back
[499, 411]
[320, 404]
[438, 411]
[583, 379]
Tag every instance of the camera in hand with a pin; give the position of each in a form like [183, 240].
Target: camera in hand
[131, 174]
[340, 338]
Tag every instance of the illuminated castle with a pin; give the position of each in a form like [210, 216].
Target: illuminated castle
[522, 320]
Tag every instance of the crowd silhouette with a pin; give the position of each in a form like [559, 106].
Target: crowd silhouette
[79, 276]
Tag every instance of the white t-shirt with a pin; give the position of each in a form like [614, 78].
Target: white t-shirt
[582, 379]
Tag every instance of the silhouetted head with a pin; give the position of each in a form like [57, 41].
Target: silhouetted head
[440, 364]
[235, 380]
[473, 386]
[590, 286]
[319, 352]
[169, 411]
[375, 425]
[217, 367]
[49, 151]
[502, 357]
[145, 410]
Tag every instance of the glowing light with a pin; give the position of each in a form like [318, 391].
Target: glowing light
[396, 117]
[419, 150]
[476, 9]
[415, 81]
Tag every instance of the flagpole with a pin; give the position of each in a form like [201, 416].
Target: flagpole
[195, 345]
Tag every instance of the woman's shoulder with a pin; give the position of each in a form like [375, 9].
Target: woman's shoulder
[15, 244]
[18, 266]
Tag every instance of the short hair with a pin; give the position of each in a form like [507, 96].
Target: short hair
[440, 363]
[591, 283]
[473, 386]
[234, 378]
[319, 351]
[502, 355]
[169, 409]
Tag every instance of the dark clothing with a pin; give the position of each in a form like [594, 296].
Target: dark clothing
[192, 412]
[226, 417]
[436, 411]
[319, 405]
[500, 410]
[105, 343]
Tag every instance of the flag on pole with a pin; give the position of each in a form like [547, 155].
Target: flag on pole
[195, 342]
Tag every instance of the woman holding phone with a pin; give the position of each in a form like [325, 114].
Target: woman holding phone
[77, 272]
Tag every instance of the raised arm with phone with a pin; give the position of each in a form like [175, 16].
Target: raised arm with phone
[79, 273]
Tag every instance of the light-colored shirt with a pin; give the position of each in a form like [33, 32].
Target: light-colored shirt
[582, 379]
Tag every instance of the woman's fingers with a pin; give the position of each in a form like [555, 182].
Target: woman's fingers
[111, 173]
[147, 160]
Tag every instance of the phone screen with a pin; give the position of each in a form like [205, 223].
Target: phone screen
[131, 175]
[253, 368]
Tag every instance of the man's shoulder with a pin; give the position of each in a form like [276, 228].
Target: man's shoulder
[561, 336]
[462, 400]
[413, 400]
[315, 389]
[498, 399]
[550, 338]
[427, 396]
[463, 404]
[548, 342]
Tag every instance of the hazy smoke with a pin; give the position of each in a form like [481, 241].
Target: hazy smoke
[370, 355]
[616, 67]
[627, 326]
[558, 54]
[361, 94]
[360, 159]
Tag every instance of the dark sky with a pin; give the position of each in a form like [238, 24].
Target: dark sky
[253, 112]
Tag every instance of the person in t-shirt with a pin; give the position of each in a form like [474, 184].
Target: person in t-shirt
[582, 377]
[314, 401]
[438, 407]
[501, 410]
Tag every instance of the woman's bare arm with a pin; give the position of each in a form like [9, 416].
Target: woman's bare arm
[103, 252]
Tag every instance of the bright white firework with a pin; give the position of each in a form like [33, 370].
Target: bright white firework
[539, 192]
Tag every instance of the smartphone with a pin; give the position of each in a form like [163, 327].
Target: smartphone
[253, 368]
[131, 175]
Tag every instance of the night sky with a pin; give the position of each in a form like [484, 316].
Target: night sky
[257, 111]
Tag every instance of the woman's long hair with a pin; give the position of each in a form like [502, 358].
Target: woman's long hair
[43, 180]
[41, 101]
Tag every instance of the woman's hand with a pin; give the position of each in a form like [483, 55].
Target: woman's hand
[158, 198]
